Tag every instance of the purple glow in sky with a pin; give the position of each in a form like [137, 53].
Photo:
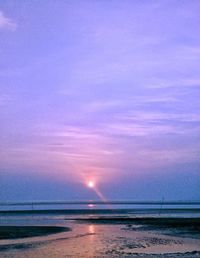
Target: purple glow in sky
[100, 90]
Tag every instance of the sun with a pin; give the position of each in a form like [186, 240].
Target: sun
[90, 184]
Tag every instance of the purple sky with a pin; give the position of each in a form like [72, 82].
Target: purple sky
[99, 90]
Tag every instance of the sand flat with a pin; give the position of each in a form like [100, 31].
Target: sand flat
[104, 236]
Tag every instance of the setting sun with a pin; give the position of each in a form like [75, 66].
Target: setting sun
[90, 184]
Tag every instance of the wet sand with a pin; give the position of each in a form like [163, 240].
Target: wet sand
[103, 236]
[189, 227]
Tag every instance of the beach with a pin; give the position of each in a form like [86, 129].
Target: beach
[98, 235]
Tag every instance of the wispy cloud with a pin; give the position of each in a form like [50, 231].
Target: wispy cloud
[180, 83]
[6, 23]
[160, 116]
[137, 129]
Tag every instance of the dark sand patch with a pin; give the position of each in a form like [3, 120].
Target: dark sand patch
[184, 227]
[150, 220]
[14, 232]
[191, 223]
[114, 253]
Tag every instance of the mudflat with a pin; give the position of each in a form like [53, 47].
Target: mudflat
[14, 232]
[99, 235]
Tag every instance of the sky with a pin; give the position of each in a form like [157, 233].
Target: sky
[103, 91]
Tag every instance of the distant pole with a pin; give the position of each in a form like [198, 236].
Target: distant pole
[162, 202]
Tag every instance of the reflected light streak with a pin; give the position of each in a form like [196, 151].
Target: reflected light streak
[91, 229]
[91, 205]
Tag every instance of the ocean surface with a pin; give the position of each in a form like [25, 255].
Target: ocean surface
[40, 214]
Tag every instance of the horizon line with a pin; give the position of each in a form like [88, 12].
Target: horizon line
[96, 202]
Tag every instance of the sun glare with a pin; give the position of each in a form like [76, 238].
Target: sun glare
[91, 184]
